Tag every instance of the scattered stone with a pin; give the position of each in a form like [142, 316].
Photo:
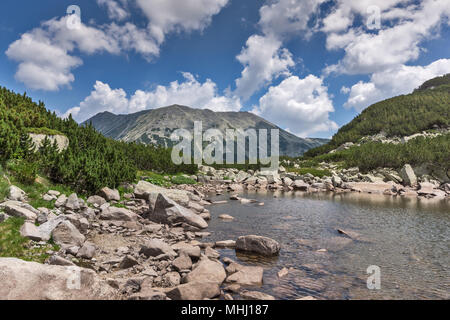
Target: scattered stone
[283, 272]
[87, 251]
[155, 247]
[307, 298]
[258, 244]
[118, 214]
[182, 263]
[226, 217]
[21, 280]
[30, 231]
[245, 275]
[67, 235]
[207, 271]
[72, 202]
[195, 291]
[255, 295]
[110, 194]
[16, 194]
[171, 279]
[184, 248]
[61, 201]
[59, 261]
[47, 228]
[408, 175]
[128, 262]
[20, 212]
[96, 201]
[169, 212]
[211, 253]
[225, 244]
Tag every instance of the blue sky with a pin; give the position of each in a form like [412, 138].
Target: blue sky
[309, 66]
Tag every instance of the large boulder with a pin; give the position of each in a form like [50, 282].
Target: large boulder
[207, 271]
[167, 211]
[143, 189]
[16, 194]
[118, 214]
[194, 291]
[258, 244]
[156, 247]
[408, 176]
[110, 194]
[67, 235]
[22, 280]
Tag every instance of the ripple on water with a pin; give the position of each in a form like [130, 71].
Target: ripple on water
[406, 237]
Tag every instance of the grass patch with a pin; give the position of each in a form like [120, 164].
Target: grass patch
[182, 180]
[315, 172]
[13, 245]
[155, 178]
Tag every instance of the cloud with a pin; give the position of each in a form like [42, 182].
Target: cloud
[115, 10]
[263, 57]
[47, 70]
[404, 26]
[174, 15]
[57, 44]
[301, 105]
[393, 82]
[46, 54]
[263, 60]
[189, 92]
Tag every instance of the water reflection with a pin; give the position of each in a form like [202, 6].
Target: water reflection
[408, 238]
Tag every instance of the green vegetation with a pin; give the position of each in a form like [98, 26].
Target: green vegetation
[427, 108]
[164, 180]
[12, 244]
[91, 161]
[46, 131]
[399, 116]
[315, 172]
[374, 155]
[182, 180]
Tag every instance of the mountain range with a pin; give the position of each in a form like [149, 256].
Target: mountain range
[156, 125]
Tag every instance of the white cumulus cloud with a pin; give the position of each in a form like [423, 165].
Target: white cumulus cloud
[189, 92]
[301, 105]
[263, 57]
[404, 26]
[393, 82]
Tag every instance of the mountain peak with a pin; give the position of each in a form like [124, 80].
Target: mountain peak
[156, 125]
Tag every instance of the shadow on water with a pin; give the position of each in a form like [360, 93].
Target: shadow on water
[408, 238]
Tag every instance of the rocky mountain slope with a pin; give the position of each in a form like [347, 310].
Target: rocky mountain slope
[155, 126]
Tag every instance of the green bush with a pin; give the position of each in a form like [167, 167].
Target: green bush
[315, 172]
[182, 180]
[25, 171]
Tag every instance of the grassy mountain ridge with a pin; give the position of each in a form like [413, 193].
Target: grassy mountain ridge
[155, 126]
[426, 108]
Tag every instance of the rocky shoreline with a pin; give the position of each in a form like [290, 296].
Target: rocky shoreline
[147, 244]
